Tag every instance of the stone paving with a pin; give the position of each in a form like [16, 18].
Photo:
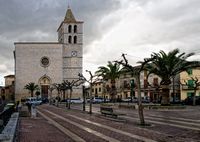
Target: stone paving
[39, 130]
[118, 130]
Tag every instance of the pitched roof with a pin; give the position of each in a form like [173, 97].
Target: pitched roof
[69, 17]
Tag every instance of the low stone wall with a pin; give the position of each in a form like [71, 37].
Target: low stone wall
[8, 134]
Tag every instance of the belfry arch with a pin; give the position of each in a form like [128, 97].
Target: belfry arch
[44, 82]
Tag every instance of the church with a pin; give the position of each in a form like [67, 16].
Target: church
[46, 63]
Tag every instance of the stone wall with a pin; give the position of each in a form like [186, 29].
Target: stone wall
[28, 66]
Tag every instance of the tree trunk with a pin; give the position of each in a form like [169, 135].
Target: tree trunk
[194, 98]
[63, 94]
[31, 93]
[173, 81]
[67, 100]
[70, 96]
[90, 111]
[140, 107]
[113, 91]
[165, 95]
[83, 91]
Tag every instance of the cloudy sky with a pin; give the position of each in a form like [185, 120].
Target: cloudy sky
[111, 27]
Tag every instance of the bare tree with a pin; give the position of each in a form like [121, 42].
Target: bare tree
[90, 81]
[135, 71]
[51, 88]
[57, 86]
[69, 85]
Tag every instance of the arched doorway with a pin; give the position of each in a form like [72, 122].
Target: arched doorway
[44, 82]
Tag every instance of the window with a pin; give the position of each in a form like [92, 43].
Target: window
[92, 90]
[95, 90]
[189, 71]
[44, 61]
[145, 83]
[126, 84]
[99, 89]
[155, 81]
[69, 29]
[190, 84]
[75, 39]
[70, 39]
[190, 94]
[75, 28]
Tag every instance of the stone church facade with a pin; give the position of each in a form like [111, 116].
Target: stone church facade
[46, 63]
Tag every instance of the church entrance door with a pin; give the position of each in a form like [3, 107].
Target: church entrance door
[44, 91]
[44, 83]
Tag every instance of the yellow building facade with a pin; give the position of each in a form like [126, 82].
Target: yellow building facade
[187, 83]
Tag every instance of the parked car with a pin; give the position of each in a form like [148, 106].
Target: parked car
[76, 101]
[175, 101]
[33, 100]
[98, 100]
[134, 100]
[189, 100]
[126, 99]
[9, 105]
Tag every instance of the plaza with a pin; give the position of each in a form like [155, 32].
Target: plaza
[76, 125]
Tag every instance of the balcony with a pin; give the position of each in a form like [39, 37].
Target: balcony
[186, 87]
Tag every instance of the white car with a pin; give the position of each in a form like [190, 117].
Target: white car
[76, 101]
[97, 100]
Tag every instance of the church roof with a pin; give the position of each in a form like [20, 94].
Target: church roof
[69, 17]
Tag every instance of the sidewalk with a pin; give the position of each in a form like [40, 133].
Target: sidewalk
[38, 130]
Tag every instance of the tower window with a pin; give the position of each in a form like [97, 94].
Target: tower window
[75, 39]
[75, 28]
[70, 39]
[69, 29]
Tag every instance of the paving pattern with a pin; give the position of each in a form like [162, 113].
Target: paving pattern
[76, 125]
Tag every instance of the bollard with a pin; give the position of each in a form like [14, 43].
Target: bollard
[33, 111]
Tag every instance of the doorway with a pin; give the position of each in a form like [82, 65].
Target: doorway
[44, 83]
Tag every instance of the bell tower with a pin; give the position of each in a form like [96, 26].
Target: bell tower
[70, 34]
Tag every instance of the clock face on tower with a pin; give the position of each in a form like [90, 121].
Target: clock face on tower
[74, 53]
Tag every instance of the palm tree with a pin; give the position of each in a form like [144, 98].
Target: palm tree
[110, 72]
[168, 65]
[31, 87]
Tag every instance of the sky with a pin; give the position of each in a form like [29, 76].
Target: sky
[111, 27]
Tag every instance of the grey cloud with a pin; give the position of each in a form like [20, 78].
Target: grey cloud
[21, 20]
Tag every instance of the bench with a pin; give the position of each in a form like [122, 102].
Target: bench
[107, 110]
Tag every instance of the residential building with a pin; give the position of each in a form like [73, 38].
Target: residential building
[187, 83]
[9, 90]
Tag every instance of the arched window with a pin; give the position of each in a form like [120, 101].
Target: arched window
[69, 29]
[75, 28]
[70, 39]
[75, 39]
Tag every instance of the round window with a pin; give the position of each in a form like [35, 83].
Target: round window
[45, 61]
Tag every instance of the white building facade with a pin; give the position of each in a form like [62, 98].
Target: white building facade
[46, 63]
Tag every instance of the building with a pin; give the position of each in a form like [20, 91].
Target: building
[9, 90]
[45, 63]
[150, 89]
[187, 83]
